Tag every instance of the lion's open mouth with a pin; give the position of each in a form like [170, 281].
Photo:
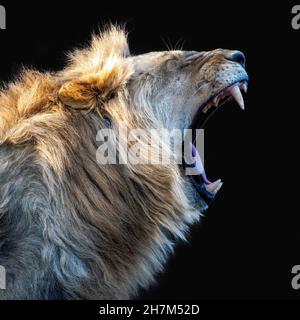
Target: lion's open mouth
[205, 187]
[216, 101]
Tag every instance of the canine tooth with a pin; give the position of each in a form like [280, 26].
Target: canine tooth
[236, 94]
[218, 188]
[214, 187]
[245, 87]
[216, 101]
[207, 107]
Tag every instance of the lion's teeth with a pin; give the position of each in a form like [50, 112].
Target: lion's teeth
[236, 94]
[207, 107]
[245, 87]
[216, 101]
[214, 187]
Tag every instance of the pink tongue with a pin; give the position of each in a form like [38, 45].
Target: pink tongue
[199, 165]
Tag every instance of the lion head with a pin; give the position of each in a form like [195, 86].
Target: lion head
[86, 230]
[171, 89]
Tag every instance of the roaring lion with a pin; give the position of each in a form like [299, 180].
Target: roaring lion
[71, 228]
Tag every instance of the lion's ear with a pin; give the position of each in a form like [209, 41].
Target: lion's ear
[77, 95]
[97, 87]
[95, 74]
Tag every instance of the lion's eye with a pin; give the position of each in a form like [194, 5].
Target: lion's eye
[190, 57]
[107, 121]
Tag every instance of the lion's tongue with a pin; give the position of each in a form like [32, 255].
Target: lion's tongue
[199, 165]
[212, 187]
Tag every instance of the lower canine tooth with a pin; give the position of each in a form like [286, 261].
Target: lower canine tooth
[214, 187]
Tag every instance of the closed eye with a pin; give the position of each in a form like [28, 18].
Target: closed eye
[190, 57]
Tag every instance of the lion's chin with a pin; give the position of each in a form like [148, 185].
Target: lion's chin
[204, 186]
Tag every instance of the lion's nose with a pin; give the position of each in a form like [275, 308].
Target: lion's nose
[237, 56]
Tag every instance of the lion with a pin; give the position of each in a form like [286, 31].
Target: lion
[71, 228]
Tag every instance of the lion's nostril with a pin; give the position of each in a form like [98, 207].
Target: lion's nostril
[237, 56]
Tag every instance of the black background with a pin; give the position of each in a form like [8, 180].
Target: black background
[249, 240]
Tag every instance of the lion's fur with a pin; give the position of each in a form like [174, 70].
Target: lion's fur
[69, 227]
